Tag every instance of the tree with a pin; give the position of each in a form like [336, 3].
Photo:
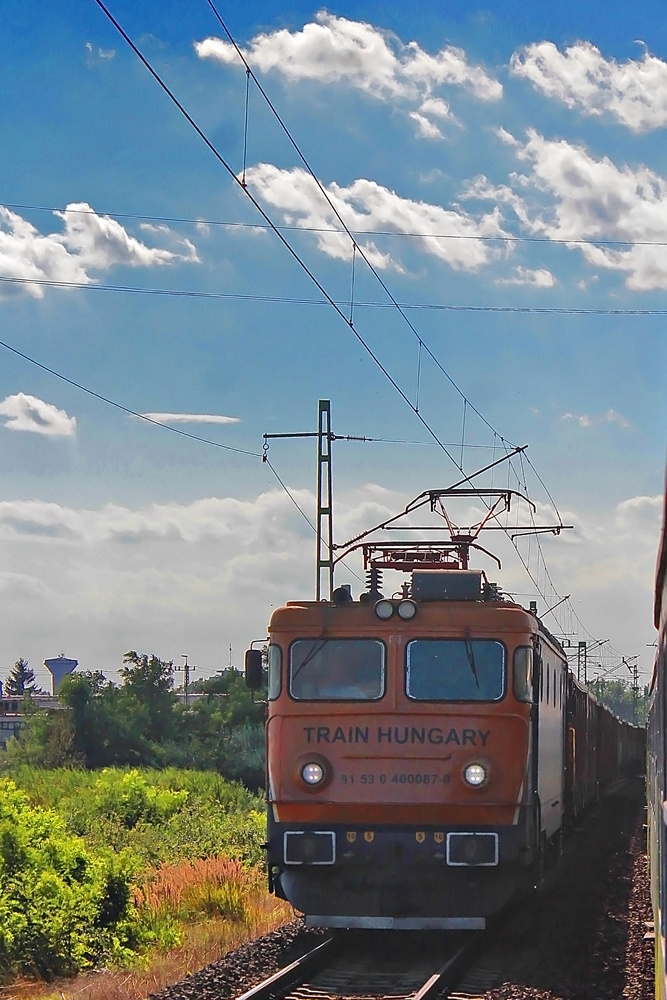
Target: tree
[21, 680]
[147, 688]
[104, 733]
[45, 741]
[619, 696]
[224, 732]
[234, 703]
[99, 728]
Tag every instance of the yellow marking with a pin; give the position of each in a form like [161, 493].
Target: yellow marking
[369, 836]
[420, 836]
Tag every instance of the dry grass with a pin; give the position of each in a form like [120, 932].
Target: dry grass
[209, 886]
[218, 905]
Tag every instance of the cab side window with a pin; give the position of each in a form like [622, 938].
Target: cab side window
[523, 673]
[275, 671]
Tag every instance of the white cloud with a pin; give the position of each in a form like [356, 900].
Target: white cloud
[163, 578]
[334, 49]
[190, 249]
[640, 514]
[432, 107]
[507, 137]
[570, 196]
[437, 107]
[609, 417]
[89, 242]
[198, 576]
[583, 284]
[28, 413]
[95, 56]
[191, 418]
[426, 129]
[607, 566]
[634, 92]
[101, 242]
[270, 519]
[538, 278]
[366, 206]
[27, 255]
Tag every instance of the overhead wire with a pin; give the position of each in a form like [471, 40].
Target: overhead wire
[356, 247]
[293, 253]
[96, 286]
[160, 423]
[397, 234]
[267, 461]
[126, 409]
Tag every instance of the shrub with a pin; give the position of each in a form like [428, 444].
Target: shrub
[62, 908]
[128, 797]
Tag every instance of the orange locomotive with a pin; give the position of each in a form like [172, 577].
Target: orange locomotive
[424, 751]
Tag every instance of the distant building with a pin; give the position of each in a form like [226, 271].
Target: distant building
[12, 715]
[59, 667]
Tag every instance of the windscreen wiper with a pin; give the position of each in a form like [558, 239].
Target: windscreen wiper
[470, 653]
[318, 644]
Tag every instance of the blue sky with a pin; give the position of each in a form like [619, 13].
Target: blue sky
[502, 168]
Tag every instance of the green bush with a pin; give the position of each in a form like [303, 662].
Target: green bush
[75, 843]
[153, 816]
[128, 797]
[62, 907]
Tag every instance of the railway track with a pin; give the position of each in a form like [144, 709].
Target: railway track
[358, 967]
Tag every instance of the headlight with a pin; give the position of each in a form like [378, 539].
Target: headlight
[312, 773]
[475, 775]
[384, 609]
[407, 610]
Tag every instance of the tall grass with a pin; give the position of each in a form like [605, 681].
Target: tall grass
[209, 907]
[213, 887]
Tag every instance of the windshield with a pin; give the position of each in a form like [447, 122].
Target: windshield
[336, 669]
[455, 670]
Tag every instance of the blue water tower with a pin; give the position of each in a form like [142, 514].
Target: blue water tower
[59, 667]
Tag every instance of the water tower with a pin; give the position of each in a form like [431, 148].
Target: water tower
[59, 667]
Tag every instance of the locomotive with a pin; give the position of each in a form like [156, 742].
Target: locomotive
[425, 750]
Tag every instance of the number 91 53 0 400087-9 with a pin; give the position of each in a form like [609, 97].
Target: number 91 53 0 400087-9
[401, 778]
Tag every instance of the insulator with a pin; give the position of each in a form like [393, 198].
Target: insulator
[374, 580]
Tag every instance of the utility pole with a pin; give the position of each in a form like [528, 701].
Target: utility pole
[324, 529]
[324, 501]
[582, 663]
[583, 649]
[186, 668]
[634, 670]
